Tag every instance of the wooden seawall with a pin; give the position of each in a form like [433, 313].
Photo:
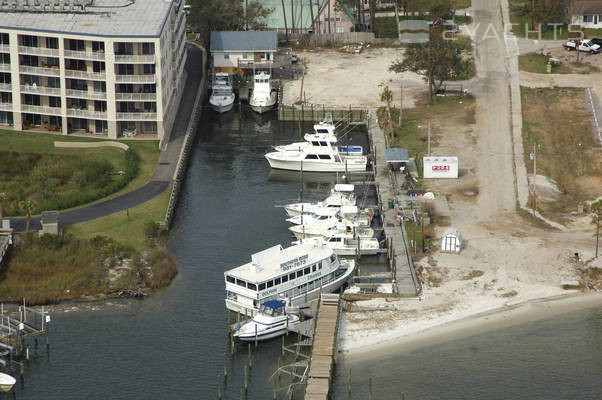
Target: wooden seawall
[324, 348]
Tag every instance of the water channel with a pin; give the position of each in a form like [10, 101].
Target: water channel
[172, 344]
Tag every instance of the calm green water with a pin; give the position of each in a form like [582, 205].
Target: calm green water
[557, 358]
[172, 345]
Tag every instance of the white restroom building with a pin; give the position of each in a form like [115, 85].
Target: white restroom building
[107, 68]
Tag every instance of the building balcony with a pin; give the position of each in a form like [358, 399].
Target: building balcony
[38, 51]
[5, 67]
[150, 78]
[26, 108]
[6, 87]
[135, 59]
[34, 89]
[74, 112]
[4, 48]
[6, 106]
[136, 96]
[85, 94]
[25, 69]
[84, 55]
[137, 116]
[95, 76]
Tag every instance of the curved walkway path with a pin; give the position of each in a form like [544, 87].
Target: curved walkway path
[164, 170]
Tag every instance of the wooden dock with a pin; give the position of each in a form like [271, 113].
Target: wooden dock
[324, 348]
[5, 235]
[311, 112]
[401, 262]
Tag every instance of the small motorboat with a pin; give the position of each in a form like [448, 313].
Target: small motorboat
[6, 382]
[341, 195]
[271, 321]
[222, 97]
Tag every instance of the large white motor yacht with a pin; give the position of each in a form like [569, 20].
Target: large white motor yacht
[341, 195]
[344, 244]
[319, 230]
[263, 97]
[222, 96]
[332, 215]
[295, 275]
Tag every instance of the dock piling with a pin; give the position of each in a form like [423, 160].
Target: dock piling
[250, 356]
[225, 369]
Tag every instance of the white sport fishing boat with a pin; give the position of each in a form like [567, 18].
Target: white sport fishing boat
[222, 96]
[344, 244]
[319, 230]
[322, 215]
[271, 321]
[323, 157]
[311, 139]
[6, 382]
[263, 97]
[295, 275]
[341, 195]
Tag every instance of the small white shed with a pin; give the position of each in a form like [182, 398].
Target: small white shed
[451, 242]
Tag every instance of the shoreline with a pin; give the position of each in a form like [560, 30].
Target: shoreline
[484, 321]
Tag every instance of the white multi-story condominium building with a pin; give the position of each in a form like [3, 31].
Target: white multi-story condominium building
[113, 68]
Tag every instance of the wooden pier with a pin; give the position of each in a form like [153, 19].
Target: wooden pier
[404, 276]
[324, 348]
[5, 240]
[311, 112]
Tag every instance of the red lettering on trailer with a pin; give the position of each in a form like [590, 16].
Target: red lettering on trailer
[440, 167]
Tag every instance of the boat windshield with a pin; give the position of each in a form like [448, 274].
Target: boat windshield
[271, 312]
[221, 92]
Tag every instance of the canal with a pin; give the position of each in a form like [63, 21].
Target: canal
[172, 344]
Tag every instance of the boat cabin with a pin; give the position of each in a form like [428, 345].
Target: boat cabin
[278, 273]
[273, 308]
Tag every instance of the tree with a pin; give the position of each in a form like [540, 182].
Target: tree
[224, 15]
[387, 96]
[596, 216]
[28, 207]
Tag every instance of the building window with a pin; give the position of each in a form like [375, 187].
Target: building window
[124, 49]
[148, 69]
[6, 118]
[588, 18]
[77, 84]
[33, 119]
[98, 47]
[4, 58]
[52, 43]
[54, 101]
[98, 66]
[125, 69]
[100, 87]
[78, 124]
[101, 126]
[149, 127]
[4, 40]
[5, 77]
[226, 56]
[54, 82]
[148, 48]
[52, 62]
[6, 97]
[32, 99]
[29, 41]
[31, 61]
[76, 45]
[338, 29]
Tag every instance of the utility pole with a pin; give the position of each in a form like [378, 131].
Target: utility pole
[311, 10]
[247, 14]
[292, 18]
[428, 142]
[401, 105]
[534, 154]
[422, 226]
[284, 16]
[329, 16]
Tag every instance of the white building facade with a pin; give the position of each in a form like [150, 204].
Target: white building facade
[92, 67]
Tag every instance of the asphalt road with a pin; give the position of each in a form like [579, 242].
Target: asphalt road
[163, 171]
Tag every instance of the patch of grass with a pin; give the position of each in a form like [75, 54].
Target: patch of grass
[559, 121]
[475, 273]
[413, 133]
[43, 143]
[127, 230]
[537, 63]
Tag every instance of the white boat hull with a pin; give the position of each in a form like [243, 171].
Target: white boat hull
[263, 104]
[301, 299]
[265, 334]
[6, 382]
[222, 106]
[352, 164]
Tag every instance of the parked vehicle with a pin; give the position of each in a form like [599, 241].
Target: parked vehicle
[586, 46]
[597, 41]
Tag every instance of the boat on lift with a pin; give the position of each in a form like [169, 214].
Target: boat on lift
[331, 216]
[344, 244]
[222, 97]
[263, 97]
[341, 195]
[271, 321]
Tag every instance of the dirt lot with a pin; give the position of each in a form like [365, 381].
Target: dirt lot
[564, 133]
[337, 78]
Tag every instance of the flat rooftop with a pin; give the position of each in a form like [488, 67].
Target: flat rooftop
[108, 18]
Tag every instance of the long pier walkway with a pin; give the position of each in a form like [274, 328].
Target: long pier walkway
[324, 348]
[401, 262]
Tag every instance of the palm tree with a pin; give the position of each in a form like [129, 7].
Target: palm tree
[596, 216]
[387, 96]
[28, 207]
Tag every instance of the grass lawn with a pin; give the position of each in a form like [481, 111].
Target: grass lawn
[559, 121]
[43, 144]
[537, 63]
[423, 5]
[413, 133]
[127, 231]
